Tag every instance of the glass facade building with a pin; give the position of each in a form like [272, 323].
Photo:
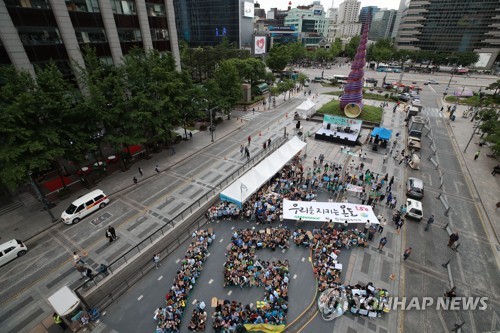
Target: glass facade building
[451, 26]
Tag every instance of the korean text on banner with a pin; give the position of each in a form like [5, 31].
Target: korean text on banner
[325, 211]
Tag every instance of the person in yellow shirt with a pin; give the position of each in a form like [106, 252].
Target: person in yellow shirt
[58, 321]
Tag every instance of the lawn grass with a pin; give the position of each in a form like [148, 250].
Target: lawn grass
[474, 100]
[366, 95]
[369, 113]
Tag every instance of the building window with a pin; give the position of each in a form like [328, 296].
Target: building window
[129, 35]
[90, 35]
[156, 9]
[124, 7]
[159, 34]
[89, 6]
[36, 4]
[39, 35]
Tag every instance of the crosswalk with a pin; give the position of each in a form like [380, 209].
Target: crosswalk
[250, 116]
[432, 112]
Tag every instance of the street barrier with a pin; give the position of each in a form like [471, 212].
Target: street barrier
[436, 164]
[445, 203]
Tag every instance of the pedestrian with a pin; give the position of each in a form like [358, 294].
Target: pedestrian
[407, 253]
[382, 224]
[172, 149]
[453, 238]
[264, 145]
[367, 226]
[242, 150]
[394, 201]
[248, 155]
[85, 321]
[399, 224]
[442, 108]
[391, 181]
[429, 222]
[476, 155]
[496, 170]
[135, 180]
[109, 236]
[156, 260]
[113, 232]
[249, 140]
[157, 169]
[363, 197]
[58, 321]
[190, 135]
[77, 259]
[385, 158]
[269, 142]
[382, 243]
[140, 171]
[253, 110]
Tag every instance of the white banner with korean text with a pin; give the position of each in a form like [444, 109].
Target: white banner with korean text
[325, 211]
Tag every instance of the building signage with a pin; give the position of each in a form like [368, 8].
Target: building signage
[318, 12]
[260, 45]
[338, 212]
[284, 28]
[341, 121]
[248, 9]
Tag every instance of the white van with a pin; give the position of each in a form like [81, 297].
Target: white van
[414, 209]
[84, 205]
[11, 250]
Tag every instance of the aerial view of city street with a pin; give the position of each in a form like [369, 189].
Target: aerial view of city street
[249, 166]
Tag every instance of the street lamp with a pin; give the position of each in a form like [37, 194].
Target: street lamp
[212, 129]
[41, 197]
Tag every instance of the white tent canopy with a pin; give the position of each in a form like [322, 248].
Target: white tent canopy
[306, 109]
[242, 188]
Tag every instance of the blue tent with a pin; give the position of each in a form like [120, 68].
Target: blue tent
[382, 132]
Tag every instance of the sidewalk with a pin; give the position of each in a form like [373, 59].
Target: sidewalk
[483, 184]
[26, 222]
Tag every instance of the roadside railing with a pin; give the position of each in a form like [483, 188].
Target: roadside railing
[173, 233]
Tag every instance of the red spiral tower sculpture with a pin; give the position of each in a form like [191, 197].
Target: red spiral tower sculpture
[351, 101]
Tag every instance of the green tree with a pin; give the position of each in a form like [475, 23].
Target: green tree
[494, 86]
[352, 46]
[278, 58]
[250, 70]
[302, 79]
[467, 58]
[335, 48]
[322, 55]
[225, 88]
[297, 51]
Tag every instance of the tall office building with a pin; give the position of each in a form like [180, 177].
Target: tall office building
[366, 14]
[402, 10]
[347, 24]
[453, 26]
[382, 24]
[35, 32]
[209, 22]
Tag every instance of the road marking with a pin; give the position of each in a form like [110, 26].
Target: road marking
[140, 297]
[229, 293]
[211, 281]
[232, 228]
[221, 240]
[283, 250]
[161, 277]
[294, 276]
[303, 258]
[177, 261]
[193, 302]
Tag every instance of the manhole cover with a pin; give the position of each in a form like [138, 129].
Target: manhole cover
[100, 219]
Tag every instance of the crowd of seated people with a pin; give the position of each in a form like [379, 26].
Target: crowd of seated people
[243, 270]
[168, 319]
[198, 320]
[327, 244]
[367, 300]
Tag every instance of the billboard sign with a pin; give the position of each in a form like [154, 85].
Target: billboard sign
[260, 45]
[248, 9]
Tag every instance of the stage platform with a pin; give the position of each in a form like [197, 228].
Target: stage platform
[348, 139]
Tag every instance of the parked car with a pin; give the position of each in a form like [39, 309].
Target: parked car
[414, 209]
[84, 205]
[404, 97]
[415, 188]
[11, 250]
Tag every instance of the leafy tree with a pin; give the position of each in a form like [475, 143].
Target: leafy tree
[322, 55]
[278, 58]
[352, 46]
[335, 48]
[250, 70]
[302, 79]
[467, 58]
[297, 51]
[35, 122]
[494, 86]
[225, 88]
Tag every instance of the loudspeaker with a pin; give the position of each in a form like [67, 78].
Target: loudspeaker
[328, 126]
[297, 126]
